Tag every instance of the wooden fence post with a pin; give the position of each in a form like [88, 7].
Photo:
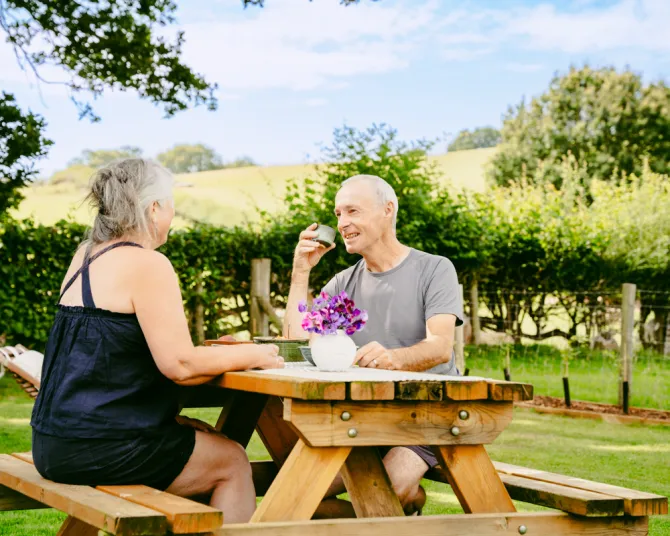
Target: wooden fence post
[627, 328]
[262, 312]
[260, 288]
[474, 314]
[459, 341]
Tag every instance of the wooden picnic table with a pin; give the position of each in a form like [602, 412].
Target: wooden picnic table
[316, 423]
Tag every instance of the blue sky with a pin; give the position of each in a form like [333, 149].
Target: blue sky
[291, 72]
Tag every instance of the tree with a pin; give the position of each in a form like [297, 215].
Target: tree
[186, 158]
[103, 157]
[99, 45]
[21, 141]
[477, 139]
[242, 161]
[609, 121]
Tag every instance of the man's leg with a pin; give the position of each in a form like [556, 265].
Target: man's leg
[332, 507]
[406, 468]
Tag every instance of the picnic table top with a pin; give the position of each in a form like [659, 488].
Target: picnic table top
[306, 382]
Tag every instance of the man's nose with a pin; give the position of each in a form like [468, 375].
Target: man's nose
[342, 223]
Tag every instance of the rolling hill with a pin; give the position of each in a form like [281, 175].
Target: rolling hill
[227, 196]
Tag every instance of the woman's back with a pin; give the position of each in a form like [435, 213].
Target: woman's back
[99, 377]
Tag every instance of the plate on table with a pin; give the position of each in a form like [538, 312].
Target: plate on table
[216, 342]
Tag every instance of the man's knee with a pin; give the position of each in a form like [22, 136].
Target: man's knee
[406, 469]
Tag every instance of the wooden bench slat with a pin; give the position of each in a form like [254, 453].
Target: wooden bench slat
[183, 515]
[551, 495]
[574, 501]
[90, 505]
[13, 500]
[538, 523]
[636, 503]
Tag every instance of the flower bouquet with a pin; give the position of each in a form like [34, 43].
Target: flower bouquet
[334, 319]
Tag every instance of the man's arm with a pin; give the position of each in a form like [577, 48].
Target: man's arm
[434, 350]
[293, 317]
[306, 256]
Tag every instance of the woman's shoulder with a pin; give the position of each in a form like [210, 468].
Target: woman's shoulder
[151, 259]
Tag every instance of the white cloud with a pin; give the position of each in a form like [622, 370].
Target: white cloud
[303, 46]
[316, 102]
[578, 28]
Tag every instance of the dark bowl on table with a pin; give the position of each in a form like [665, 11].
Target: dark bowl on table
[289, 349]
[306, 352]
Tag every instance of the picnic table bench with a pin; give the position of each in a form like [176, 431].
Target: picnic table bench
[316, 424]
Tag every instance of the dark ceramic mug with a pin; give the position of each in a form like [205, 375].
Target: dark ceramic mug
[326, 235]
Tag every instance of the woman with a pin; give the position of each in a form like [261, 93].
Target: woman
[118, 350]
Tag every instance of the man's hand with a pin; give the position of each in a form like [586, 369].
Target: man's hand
[374, 355]
[308, 253]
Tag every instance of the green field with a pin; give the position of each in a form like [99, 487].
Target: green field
[228, 196]
[627, 455]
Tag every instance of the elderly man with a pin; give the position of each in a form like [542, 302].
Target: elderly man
[413, 303]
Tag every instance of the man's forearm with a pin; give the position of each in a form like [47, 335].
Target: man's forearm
[293, 317]
[424, 355]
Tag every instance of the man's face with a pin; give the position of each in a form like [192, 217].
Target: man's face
[361, 218]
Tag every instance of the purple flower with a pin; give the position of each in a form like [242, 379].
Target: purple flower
[328, 314]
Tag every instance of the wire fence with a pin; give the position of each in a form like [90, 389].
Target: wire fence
[541, 338]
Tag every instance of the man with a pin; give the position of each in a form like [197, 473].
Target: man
[413, 303]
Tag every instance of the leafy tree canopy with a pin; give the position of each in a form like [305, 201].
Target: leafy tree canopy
[98, 45]
[609, 121]
[102, 157]
[186, 158]
[477, 139]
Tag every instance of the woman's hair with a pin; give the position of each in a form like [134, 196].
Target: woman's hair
[122, 194]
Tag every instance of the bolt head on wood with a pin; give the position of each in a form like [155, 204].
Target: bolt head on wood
[523, 529]
[345, 416]
[463, 415]
[455, 430]
[352, 432]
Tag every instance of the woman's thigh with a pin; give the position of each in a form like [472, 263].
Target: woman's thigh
[215, 459]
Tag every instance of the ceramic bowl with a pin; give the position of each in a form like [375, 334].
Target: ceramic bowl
[306, 352]
[289, 349]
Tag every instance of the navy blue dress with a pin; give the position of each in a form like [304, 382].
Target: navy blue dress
[105, 414]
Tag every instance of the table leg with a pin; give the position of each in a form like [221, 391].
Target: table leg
[239, 415]
[474, 479]
[369, 485]
[277, 435]
[75, 527]
[301, 483]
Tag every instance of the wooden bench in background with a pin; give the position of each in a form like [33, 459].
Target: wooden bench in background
[571, 495]
[118, 510]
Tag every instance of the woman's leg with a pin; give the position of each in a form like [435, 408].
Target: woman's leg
[219, 466]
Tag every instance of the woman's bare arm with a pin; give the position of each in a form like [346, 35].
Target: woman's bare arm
[158, 304]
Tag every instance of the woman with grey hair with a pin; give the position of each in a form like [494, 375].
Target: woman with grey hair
[119, 348]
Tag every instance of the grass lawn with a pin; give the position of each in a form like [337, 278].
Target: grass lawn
[626, 455]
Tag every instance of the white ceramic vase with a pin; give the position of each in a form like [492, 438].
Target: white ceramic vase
[333, 352]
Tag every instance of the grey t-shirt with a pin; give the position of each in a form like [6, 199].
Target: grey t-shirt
[401, 300]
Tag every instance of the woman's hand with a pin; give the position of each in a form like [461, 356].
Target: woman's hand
[268, 356]
[202, 426]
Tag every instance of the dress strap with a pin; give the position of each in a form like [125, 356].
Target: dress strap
[87, 295]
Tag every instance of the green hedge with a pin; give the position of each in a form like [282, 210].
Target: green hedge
[521, 244]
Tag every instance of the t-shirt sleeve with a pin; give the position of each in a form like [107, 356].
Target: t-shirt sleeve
[332, 287]
[443, 294]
